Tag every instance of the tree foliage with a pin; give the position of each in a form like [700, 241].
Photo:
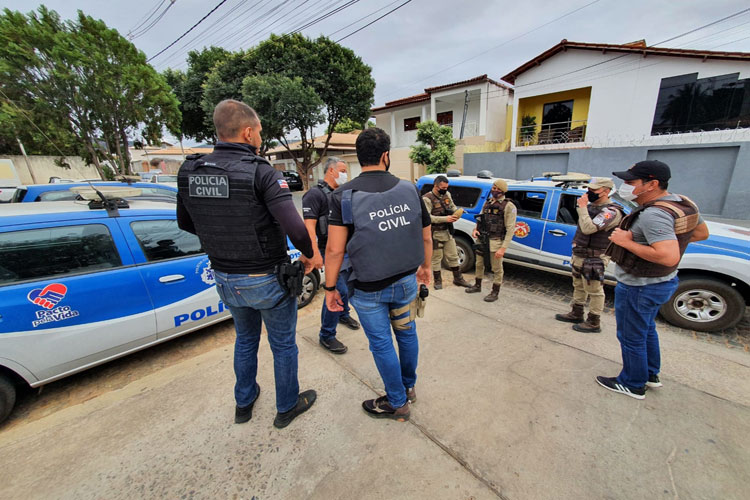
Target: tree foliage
[435, 148]
[85, 86]
[347, 125]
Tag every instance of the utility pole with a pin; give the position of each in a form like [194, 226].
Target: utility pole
[466, 108]
[28, 163]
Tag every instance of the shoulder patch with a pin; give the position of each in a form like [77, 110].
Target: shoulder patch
[283, 184]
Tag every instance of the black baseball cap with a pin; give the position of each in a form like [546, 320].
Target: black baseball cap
[647, 170]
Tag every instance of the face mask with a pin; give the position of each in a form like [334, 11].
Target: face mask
[388, 165]
[626, 192]
[441, 192]
[342, 178]
[496, 194]
[593, 196]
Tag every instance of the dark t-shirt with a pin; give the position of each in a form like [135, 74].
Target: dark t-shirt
[315, 206]
[374, 181]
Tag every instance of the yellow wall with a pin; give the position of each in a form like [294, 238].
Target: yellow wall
[534, 106]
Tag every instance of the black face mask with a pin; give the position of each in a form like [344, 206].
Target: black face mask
[388, 165]
[593, 196]
[441, 192]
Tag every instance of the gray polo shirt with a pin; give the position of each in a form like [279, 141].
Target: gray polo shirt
[651, 226]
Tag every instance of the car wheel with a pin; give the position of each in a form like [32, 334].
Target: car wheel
[704, 304]
[309, 289]
[465, 255]
[7, 397]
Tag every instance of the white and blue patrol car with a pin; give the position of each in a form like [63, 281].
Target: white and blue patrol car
[80, 286]
[714, 274]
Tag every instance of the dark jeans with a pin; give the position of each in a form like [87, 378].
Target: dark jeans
[635, 310]
[329, 319]
[250, 300]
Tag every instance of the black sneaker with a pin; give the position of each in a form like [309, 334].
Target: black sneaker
[381, 408]
[653, 382]
[242, 415]
[333, 345]
[304, 401]
[612, 384]
[349, 322]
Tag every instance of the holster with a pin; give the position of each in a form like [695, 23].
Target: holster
[593, 269]
[290, 276]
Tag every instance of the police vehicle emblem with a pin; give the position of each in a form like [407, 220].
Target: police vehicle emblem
[208, 186]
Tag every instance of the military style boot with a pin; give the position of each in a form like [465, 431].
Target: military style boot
[438, 280]
[458, 279]
[574, 316]
[492, 296]
[476, 287]
[591, 325]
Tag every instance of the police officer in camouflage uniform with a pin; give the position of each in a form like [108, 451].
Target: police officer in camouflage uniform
[498, 222]
[441, 207]
[597, 218]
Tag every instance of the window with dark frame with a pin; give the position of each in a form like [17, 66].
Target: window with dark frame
[410, 123]
[528, 203]
[465, 197]
[162, 239]
[445, 118]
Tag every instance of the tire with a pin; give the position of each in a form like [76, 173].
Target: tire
[7, 397]
[704, 304]
[309, 289]
[465, 255]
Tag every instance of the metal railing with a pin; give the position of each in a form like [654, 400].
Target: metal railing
[551, 133]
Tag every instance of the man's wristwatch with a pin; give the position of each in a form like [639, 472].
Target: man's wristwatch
[329, 288]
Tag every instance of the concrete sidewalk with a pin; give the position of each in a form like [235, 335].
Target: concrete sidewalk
[508, 408]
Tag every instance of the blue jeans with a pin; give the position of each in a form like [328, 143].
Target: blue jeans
[251, 299]
[373, 308]
[635, 310]
[329, 319]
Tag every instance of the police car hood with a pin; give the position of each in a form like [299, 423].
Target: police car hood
[725, 238]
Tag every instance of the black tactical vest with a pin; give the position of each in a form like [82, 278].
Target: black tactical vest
[594, 244]
[233, 225]
[440, 208]
[387, 237]
[493, 218]
[321, 229]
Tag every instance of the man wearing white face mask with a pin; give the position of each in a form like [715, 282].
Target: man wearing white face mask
[647, 247]
[315, 213]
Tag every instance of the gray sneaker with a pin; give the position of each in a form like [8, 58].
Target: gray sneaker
[411, 394]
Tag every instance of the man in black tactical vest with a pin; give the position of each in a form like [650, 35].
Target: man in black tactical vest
[315, 212]
[241, 208]
[647, 248]
[383, 225]
[495, 227]
[443, 214]
[597, 218]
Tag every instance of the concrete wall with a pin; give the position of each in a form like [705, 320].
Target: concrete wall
[44, 167]
[624, 92]
[715, 176]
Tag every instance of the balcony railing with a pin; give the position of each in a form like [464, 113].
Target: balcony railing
[551, 133]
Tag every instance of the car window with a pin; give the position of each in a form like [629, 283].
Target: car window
[158, 192]
[162, 239]
[57, 251]
[528, 203]
[466, 197]
[57, 196]
[567, 213]
[18, 195]
[167, 178]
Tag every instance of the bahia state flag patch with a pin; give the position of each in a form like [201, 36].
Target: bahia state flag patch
[283, 184]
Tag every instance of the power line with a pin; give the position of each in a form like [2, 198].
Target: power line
[146, 18]
[153, 23]
[325, 16]
[704, 26]
[32, 122]
[361, 18]
[376, 20]
[188, 31]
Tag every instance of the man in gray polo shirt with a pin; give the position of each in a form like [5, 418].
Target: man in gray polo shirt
[647, 247]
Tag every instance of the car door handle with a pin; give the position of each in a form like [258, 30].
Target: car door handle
[171, 278]
[557, 232]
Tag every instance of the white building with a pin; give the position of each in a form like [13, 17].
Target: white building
[482, 100]
[605, 95]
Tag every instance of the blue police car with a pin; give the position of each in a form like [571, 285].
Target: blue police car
[66, 192]
[714, 274]
[81, 285]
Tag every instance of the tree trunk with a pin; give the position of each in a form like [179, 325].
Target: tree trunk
[94, 158]
[126, 154]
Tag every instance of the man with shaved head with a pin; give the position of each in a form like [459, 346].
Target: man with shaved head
[241, 209]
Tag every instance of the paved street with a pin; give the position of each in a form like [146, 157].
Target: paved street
[507, 408]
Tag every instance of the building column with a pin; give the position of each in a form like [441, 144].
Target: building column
[433, 108]
[483, 110]
[393, 127]
[424, 112]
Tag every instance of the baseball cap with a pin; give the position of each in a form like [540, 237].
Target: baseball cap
[501, 185]
[647, 170]
[601, 182]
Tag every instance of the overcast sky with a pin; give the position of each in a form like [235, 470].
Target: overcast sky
[425, 43]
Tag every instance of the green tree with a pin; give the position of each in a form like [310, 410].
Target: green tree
[435, 147]
[83, 80]
[347, 125]
[188, 87]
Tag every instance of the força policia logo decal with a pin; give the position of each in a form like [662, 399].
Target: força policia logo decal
[48, 298]
[206, 273]
[522, 230]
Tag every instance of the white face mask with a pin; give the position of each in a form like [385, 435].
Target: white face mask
[342, 178]
[626, 192]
